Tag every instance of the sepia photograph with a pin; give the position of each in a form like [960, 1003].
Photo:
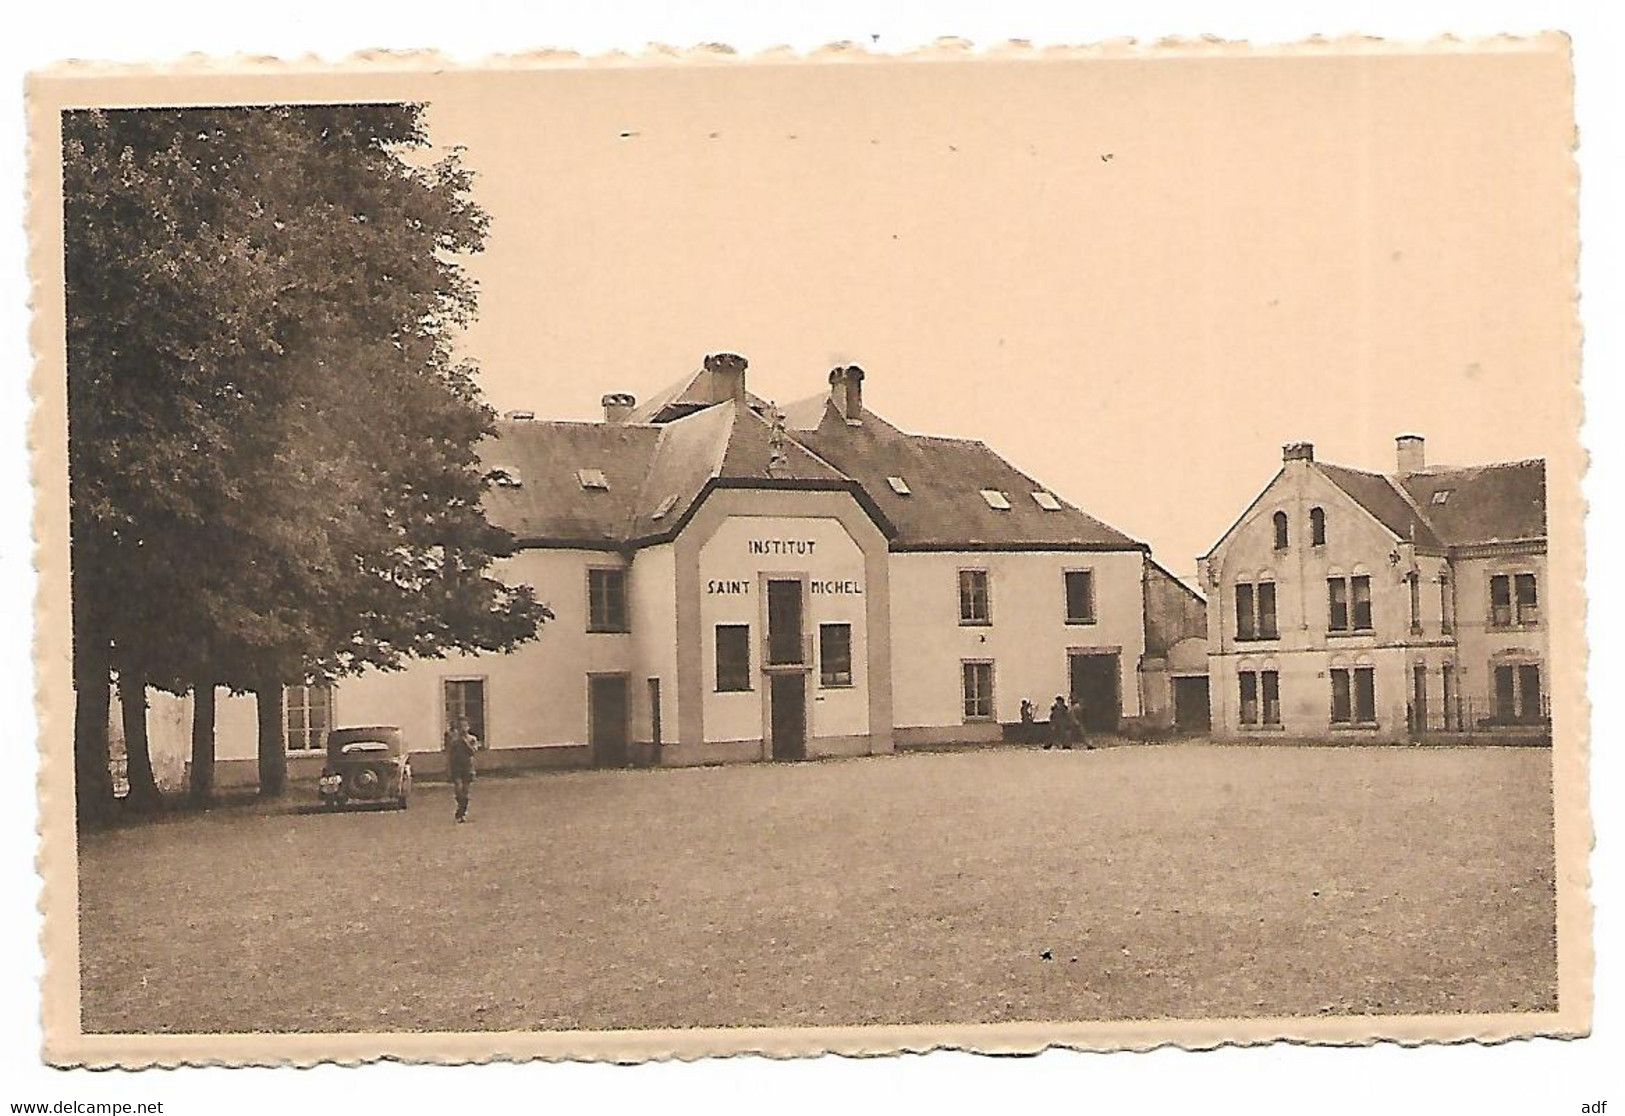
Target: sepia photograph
[847, 553]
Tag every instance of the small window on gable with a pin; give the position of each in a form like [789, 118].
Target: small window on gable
[899, 486]
[1317, 526]
[665, 506]
[593, 479]
[505, 476]
[1280, 530]
[1047, 501]
[996, 500]
[1442, 496]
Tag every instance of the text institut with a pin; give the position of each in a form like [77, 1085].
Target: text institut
[733, 582]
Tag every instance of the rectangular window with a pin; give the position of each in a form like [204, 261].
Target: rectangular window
[606, 600]
[1449, 676]
[784, 616]
[1245, 615]
[978, 690]
[465, 700]
[1342, 698]
[1529, 711]
[1249, 697]
[1525, 597]
[835, 654]
[733, 657]
[1266, 610]
[654, 712]
[1517, 694]
[1501, 601]
[1419, 698]
[1415, 583]
[975, 607]
[1269, 686]
[308, 713]
[1447, 605]
[1337, 594]
[1255, 611]
[1506, 694]
[1365, 695]
[1360, 591]
[1080, 597]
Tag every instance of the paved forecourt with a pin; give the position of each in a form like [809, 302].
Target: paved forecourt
[983, 886]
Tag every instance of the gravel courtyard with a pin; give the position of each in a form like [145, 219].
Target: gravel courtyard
[1009, 884]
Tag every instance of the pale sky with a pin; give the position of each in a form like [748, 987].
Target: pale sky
[1133, 278]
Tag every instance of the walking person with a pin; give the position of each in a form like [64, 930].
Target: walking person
[1080, 732]
[460, 746]
[1060, 725]
[1027, 726]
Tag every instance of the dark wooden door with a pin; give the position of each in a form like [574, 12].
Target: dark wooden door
[1191, 710]
[606, 719]
[789, 716]
[1094, 686]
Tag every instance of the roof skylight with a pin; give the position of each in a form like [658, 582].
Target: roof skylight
[505, 476]
[899, 486]
[665, 506]
[1442, 496]
[593, 478]
[1047, 501]
[996, 500]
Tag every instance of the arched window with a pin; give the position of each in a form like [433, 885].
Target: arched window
[1280, 530]
[1317, 526]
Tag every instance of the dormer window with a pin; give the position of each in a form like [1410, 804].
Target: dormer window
[503, 476]
[665, 506]
[996, 500]
[593, 479]
[1047, 501]
[899, 486]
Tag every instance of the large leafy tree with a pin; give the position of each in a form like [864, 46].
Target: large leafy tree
[273, 460]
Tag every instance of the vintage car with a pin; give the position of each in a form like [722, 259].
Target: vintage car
[366, 765]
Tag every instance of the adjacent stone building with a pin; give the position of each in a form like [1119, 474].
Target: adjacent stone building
[1346, 604]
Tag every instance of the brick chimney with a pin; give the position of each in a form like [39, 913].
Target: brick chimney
[727, 376]
[846, 391]
[1410, 455]
[1298, 451]
[618, 405]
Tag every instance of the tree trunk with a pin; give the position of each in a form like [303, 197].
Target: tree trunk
[92, 685]
[273, 752]
[201, 782]
[92, 688]
[132, 696]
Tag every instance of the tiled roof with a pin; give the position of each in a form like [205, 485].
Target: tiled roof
[1379, 496]
[657, 471]
[1486, 503]
[550, 502]
[944, 508]
[686, 397]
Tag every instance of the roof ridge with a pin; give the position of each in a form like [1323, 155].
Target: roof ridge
[1398, 486]
[1439, 470]
[635, 513]
[525, 424]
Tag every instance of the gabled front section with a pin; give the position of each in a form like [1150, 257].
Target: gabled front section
[732, 582]
[1343, 607]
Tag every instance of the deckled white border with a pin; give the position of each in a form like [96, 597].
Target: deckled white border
[381, 74]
